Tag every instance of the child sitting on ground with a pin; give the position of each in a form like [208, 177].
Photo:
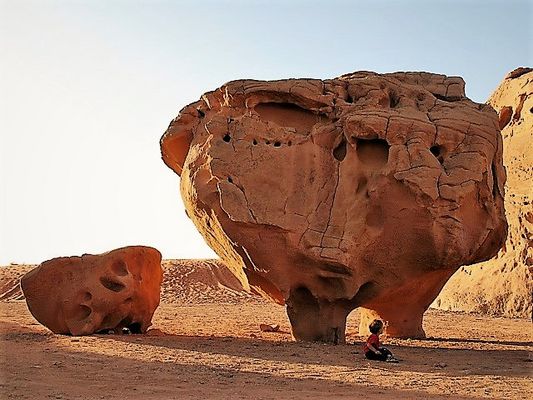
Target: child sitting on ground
[372, 348]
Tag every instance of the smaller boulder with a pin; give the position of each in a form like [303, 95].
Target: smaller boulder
[94, 293]
[269, 327]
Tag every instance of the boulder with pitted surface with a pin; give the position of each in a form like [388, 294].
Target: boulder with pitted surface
[94, 293]
[366, 191]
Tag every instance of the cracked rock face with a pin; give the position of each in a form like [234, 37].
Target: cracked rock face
[504, 284]
[92, 293]
[364, 191]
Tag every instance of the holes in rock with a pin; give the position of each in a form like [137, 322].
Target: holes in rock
[340, 151]
[289, 143]
[82, 312]
[201, 114]
[87, 296]
[254, 142]
[394, 99]
[445, 98]
[277, 144]
[348, 99]
[267, 142]
[226, 138]
[111, 284]
[437, 151]
[119, 267]
[230, 179]
[372, 152]
[531, 110]
[288, 115]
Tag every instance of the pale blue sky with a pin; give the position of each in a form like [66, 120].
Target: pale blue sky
[88, 87]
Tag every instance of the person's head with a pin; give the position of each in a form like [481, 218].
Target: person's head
[376, 326]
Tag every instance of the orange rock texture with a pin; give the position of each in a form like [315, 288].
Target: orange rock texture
[504, 285]
[364, 191]
[92, 293]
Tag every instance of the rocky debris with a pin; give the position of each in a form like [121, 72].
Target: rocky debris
[269, 327]
[325, 195]
[504, 285]
[94, 293]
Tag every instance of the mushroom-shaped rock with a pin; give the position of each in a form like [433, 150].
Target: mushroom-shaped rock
[92, 293]
[364, 191]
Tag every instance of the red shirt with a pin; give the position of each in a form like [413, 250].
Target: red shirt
[372, 340]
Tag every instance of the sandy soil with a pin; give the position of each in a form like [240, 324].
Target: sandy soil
[208, 345]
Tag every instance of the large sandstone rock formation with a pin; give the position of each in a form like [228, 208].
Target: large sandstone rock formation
[363, 191]
[91, 293]
[504, 284]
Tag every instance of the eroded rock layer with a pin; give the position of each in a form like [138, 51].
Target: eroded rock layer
[93, 293]
[325, 195]
[504, 284]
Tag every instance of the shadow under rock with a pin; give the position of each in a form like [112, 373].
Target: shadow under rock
[158, 379]
[482, 341]
[458, 362]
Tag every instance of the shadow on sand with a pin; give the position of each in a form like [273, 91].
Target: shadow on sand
[75, 372]
[415, 358]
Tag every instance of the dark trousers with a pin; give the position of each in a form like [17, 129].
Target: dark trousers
[380, 357]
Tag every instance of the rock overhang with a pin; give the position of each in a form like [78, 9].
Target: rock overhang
[325, 175]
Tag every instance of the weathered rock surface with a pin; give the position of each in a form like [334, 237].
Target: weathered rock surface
[504, 285]
[325, 195]
[92, 293]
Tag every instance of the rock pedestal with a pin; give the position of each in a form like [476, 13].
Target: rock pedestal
[365, 191]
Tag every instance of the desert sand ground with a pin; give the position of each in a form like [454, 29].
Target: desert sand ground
[205, 342]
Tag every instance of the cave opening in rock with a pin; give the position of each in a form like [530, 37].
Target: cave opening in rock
[437, 152]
